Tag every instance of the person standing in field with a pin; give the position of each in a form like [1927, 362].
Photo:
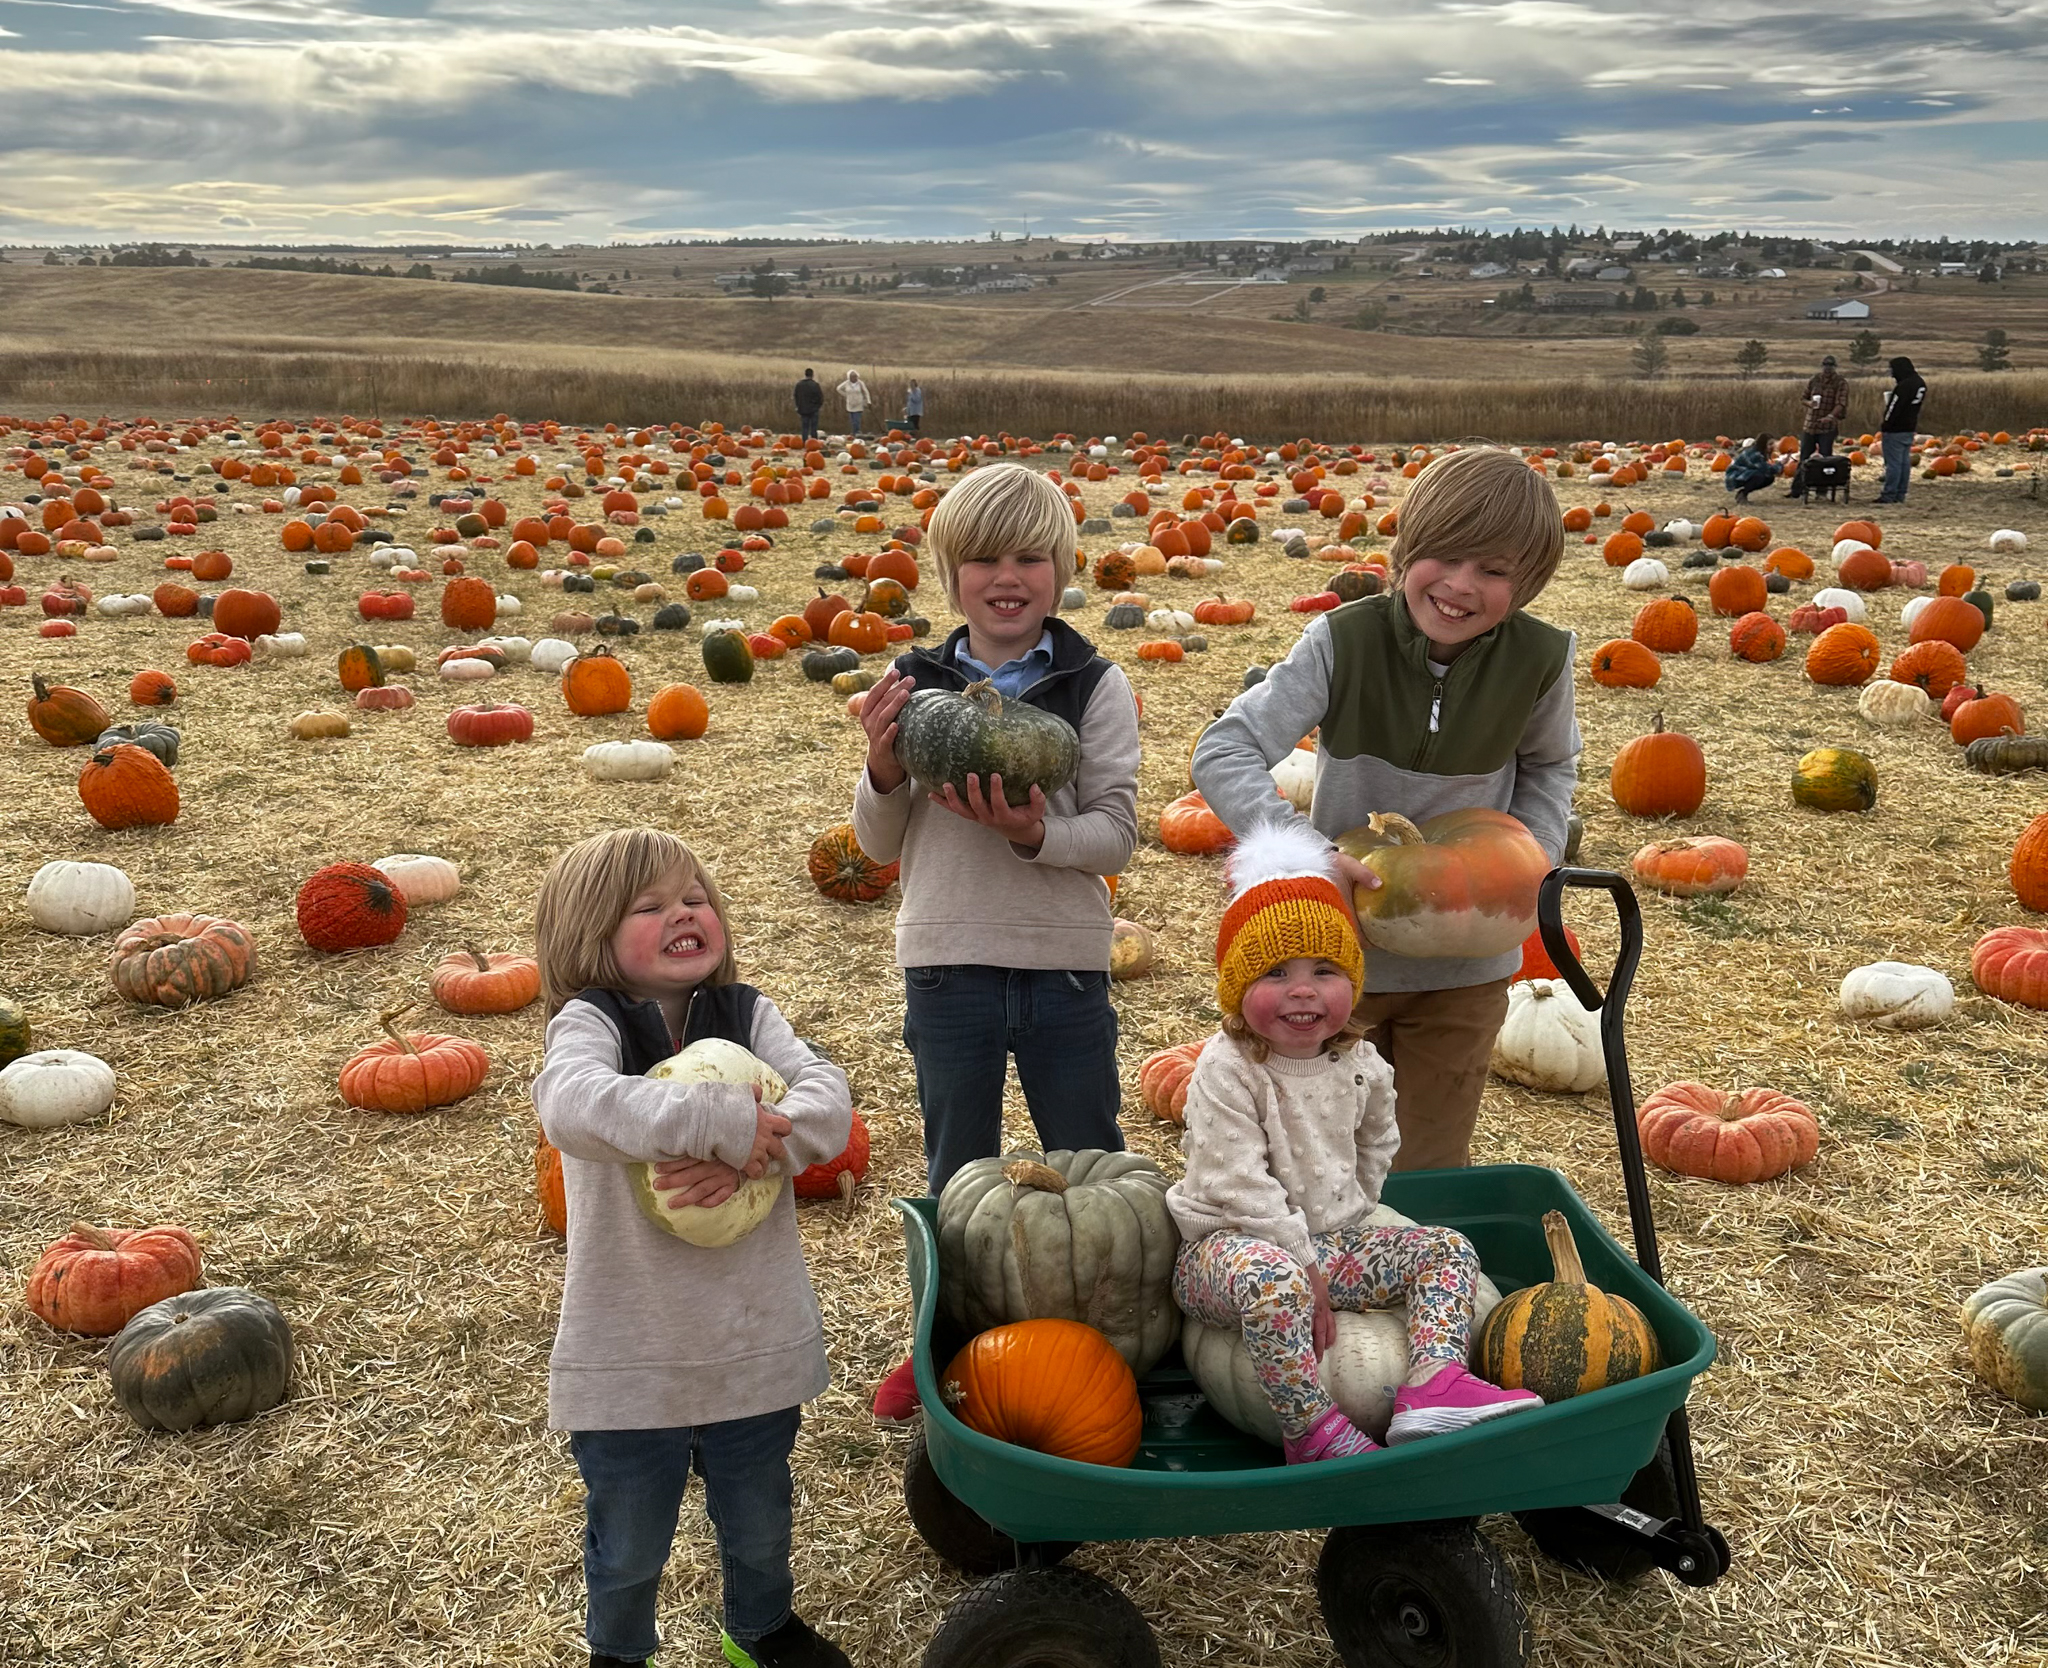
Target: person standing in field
[855, 393]
[810, 400]
[913, 408]
[1901, 421]
[1822, 407]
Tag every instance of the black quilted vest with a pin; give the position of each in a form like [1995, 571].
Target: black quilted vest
[715, 1011]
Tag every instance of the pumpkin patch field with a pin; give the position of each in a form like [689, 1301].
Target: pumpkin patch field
[303, 709]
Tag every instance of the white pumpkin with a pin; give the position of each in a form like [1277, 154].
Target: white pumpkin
[509, 605]
[402, 555]
[54, 1087]
[1295, 776]
[1362, 1370]
[1645, 573]
[1898, 996]
[551, 654]
[1850, 602]
[1885, 702]
[117, 607]
[2007, 541]
[423, 879]
[707, 627]
[629, 761]
[381, 558]
[1683, 531]
[742, 593]
[1911, 612]
[714, 1060]
[80, 899]
[516, 650]
[1548, 1040]
[1173, 621]
[467, 669]
[281, 645]
[1845, 548]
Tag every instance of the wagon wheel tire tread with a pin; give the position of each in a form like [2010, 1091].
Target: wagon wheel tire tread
[1567, 1536]
[1043, 1618]
[956, 1532]
[1420, 1595]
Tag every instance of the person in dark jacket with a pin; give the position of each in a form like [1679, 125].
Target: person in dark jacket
[1751, 470]
[810, 400]
[1901, 421]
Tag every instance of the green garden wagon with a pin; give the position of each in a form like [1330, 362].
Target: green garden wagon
[1604, 1482]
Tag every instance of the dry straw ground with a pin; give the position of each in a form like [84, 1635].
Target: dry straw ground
[408, 1506]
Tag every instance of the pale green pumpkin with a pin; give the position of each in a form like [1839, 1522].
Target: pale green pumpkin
[714, 1060]
[2006, 1327]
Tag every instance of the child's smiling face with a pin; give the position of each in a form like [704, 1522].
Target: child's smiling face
[1299, 1005]
[669, 941]
[1455, 602]
[1006, 599]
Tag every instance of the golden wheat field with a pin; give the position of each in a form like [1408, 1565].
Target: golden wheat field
[406, 1504]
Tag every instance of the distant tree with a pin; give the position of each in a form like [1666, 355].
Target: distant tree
[1988, 273]
[1645, 299]
[1995, 354]
[675, 271]
[1864, 348]
[1301, 307]
[1750, 357]
[1371, 315]
[419, 269]
[1318, 294]
[768, 285]
[1650, 355]
[1678, 327]
[1706, 298]
[1678, 298]
[1062, 255]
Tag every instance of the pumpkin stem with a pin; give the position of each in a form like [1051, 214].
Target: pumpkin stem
[984, 694]
[1566, 1268]
[388, 1021]
[97, 1238]
[1028, 1172]
[1391, 825]
[1657, 724]
[846, 1187]
[483, 962]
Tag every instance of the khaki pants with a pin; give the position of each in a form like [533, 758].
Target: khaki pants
[1440, 1044]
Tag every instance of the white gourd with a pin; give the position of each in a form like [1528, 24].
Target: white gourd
[1645, 573]
[713, 1060]
[1548, 1040]
[516, 650]
[1898, 996]
[1885, 702]
[1845, 548]
[551, 654]
[467, 670]
[1850, 602]
[281, 645]
[423, 879]
[54, 1087]
[1683, 531]
[629, 761]
[742, 593]
[1911, 612]
[508, 605]
[1295, 776]
[117, 607]
[1173, 621]
[80, 899]
[2007, 541]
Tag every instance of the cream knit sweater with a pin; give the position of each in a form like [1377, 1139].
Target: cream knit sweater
[1283, 1149]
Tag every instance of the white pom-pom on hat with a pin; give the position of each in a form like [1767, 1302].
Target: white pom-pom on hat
[1278, 850]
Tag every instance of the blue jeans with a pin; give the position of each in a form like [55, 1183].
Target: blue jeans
[961, 1025]
[1898, 464]
[635, 1482]
[809, 420]
[853, 422]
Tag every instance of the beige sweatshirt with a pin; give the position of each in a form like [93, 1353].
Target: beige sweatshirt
[1286, 1148]
[971, 898]
[656, 1332]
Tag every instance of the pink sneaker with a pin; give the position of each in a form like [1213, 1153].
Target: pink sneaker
[1449, 1402]
[896, 1400]
[1331, 1437]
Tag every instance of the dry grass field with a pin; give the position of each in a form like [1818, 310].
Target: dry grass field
[406, 1505]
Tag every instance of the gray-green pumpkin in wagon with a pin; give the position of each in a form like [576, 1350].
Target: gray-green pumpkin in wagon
[944, 735]
[2005, 1325]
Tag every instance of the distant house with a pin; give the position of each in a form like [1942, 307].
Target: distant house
[1626, 245]
[1883, 263]
[1613, 275]
[733, 280]
[1824, 256]
[1579, 301]
[1848, 308]
[1489, 269]
[1771, 272]
[1951, 269]
[1312, 263]
[1011, 281]
[1583, 266]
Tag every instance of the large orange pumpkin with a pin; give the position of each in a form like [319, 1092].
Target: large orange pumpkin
[96, 1280]
[1667, 625]
[1844, 655]
[1189, 827]
[1749, 1136]
[1737, 590]
[1948, 620]
[1625, 664]
[1662, 774]
[1056, 1386]
[1692, 866]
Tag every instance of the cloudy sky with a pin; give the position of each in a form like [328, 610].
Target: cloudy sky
[482, 121]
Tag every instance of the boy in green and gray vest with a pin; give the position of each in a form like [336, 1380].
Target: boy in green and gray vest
[1440, 694]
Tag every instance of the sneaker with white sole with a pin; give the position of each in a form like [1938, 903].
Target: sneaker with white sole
[1450, 1401]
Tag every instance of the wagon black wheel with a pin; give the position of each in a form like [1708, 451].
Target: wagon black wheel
[1587, 1542]
[1046, 1618]
[1420, 1595]
[957, 1533]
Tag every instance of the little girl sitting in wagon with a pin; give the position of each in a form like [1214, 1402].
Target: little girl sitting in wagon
[1289, 1134]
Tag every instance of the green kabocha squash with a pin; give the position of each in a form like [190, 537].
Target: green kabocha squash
[14, 1033]
[2023, 590]
[727, 659]
[2003, 755]
[149, 735]
[1565, 1336]
[672, 616]
[943, 736]
[1124, 616]
[1082, 1236]
[2005, 1325]
[1351, 586]
[1243, 530]
[209, 1357]
[1701, 559]
[1835, 779]
[823, 665]
[1981, 601]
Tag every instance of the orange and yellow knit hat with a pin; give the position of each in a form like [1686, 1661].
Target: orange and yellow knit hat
[1284, 902]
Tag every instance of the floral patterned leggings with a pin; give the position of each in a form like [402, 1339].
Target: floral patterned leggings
[1226, 1279]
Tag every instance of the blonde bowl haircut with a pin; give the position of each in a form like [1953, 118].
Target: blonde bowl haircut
[1483, 502]
[586, 894]
[999, 509]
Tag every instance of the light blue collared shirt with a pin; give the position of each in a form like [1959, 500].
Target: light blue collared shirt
[1013, 677]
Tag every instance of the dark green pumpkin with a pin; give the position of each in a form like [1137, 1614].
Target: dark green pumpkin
[210, 1357]
[1351, 586]
[627, 578]
[153, 737]
[1243, 530]
[1981, 601]
[823, 665]
[727, 659]
[943, 736]
[672, 616]
[1124, 616]
[319, 564]
[2023, 590]
[688, 562]
[2003, 755]
[1658, 539]
[578, 582]
[14, 1035]
[1701, 559]
[617, 625]
[1574, 832]
[1253, 676]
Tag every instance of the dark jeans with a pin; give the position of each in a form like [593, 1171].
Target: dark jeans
[809, 419]
[1898, 464]
[1821, 443]
[962, 1023]
[913, 421]
[853, 422]
[635, 1482]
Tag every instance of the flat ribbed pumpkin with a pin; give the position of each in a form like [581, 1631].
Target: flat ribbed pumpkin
[1163, 1080]
[1749, 1136]
[171, 960]
[943, 736]
[2005, 1326]
[1460, 884]
[1055, 1386]
[1564, 1337]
